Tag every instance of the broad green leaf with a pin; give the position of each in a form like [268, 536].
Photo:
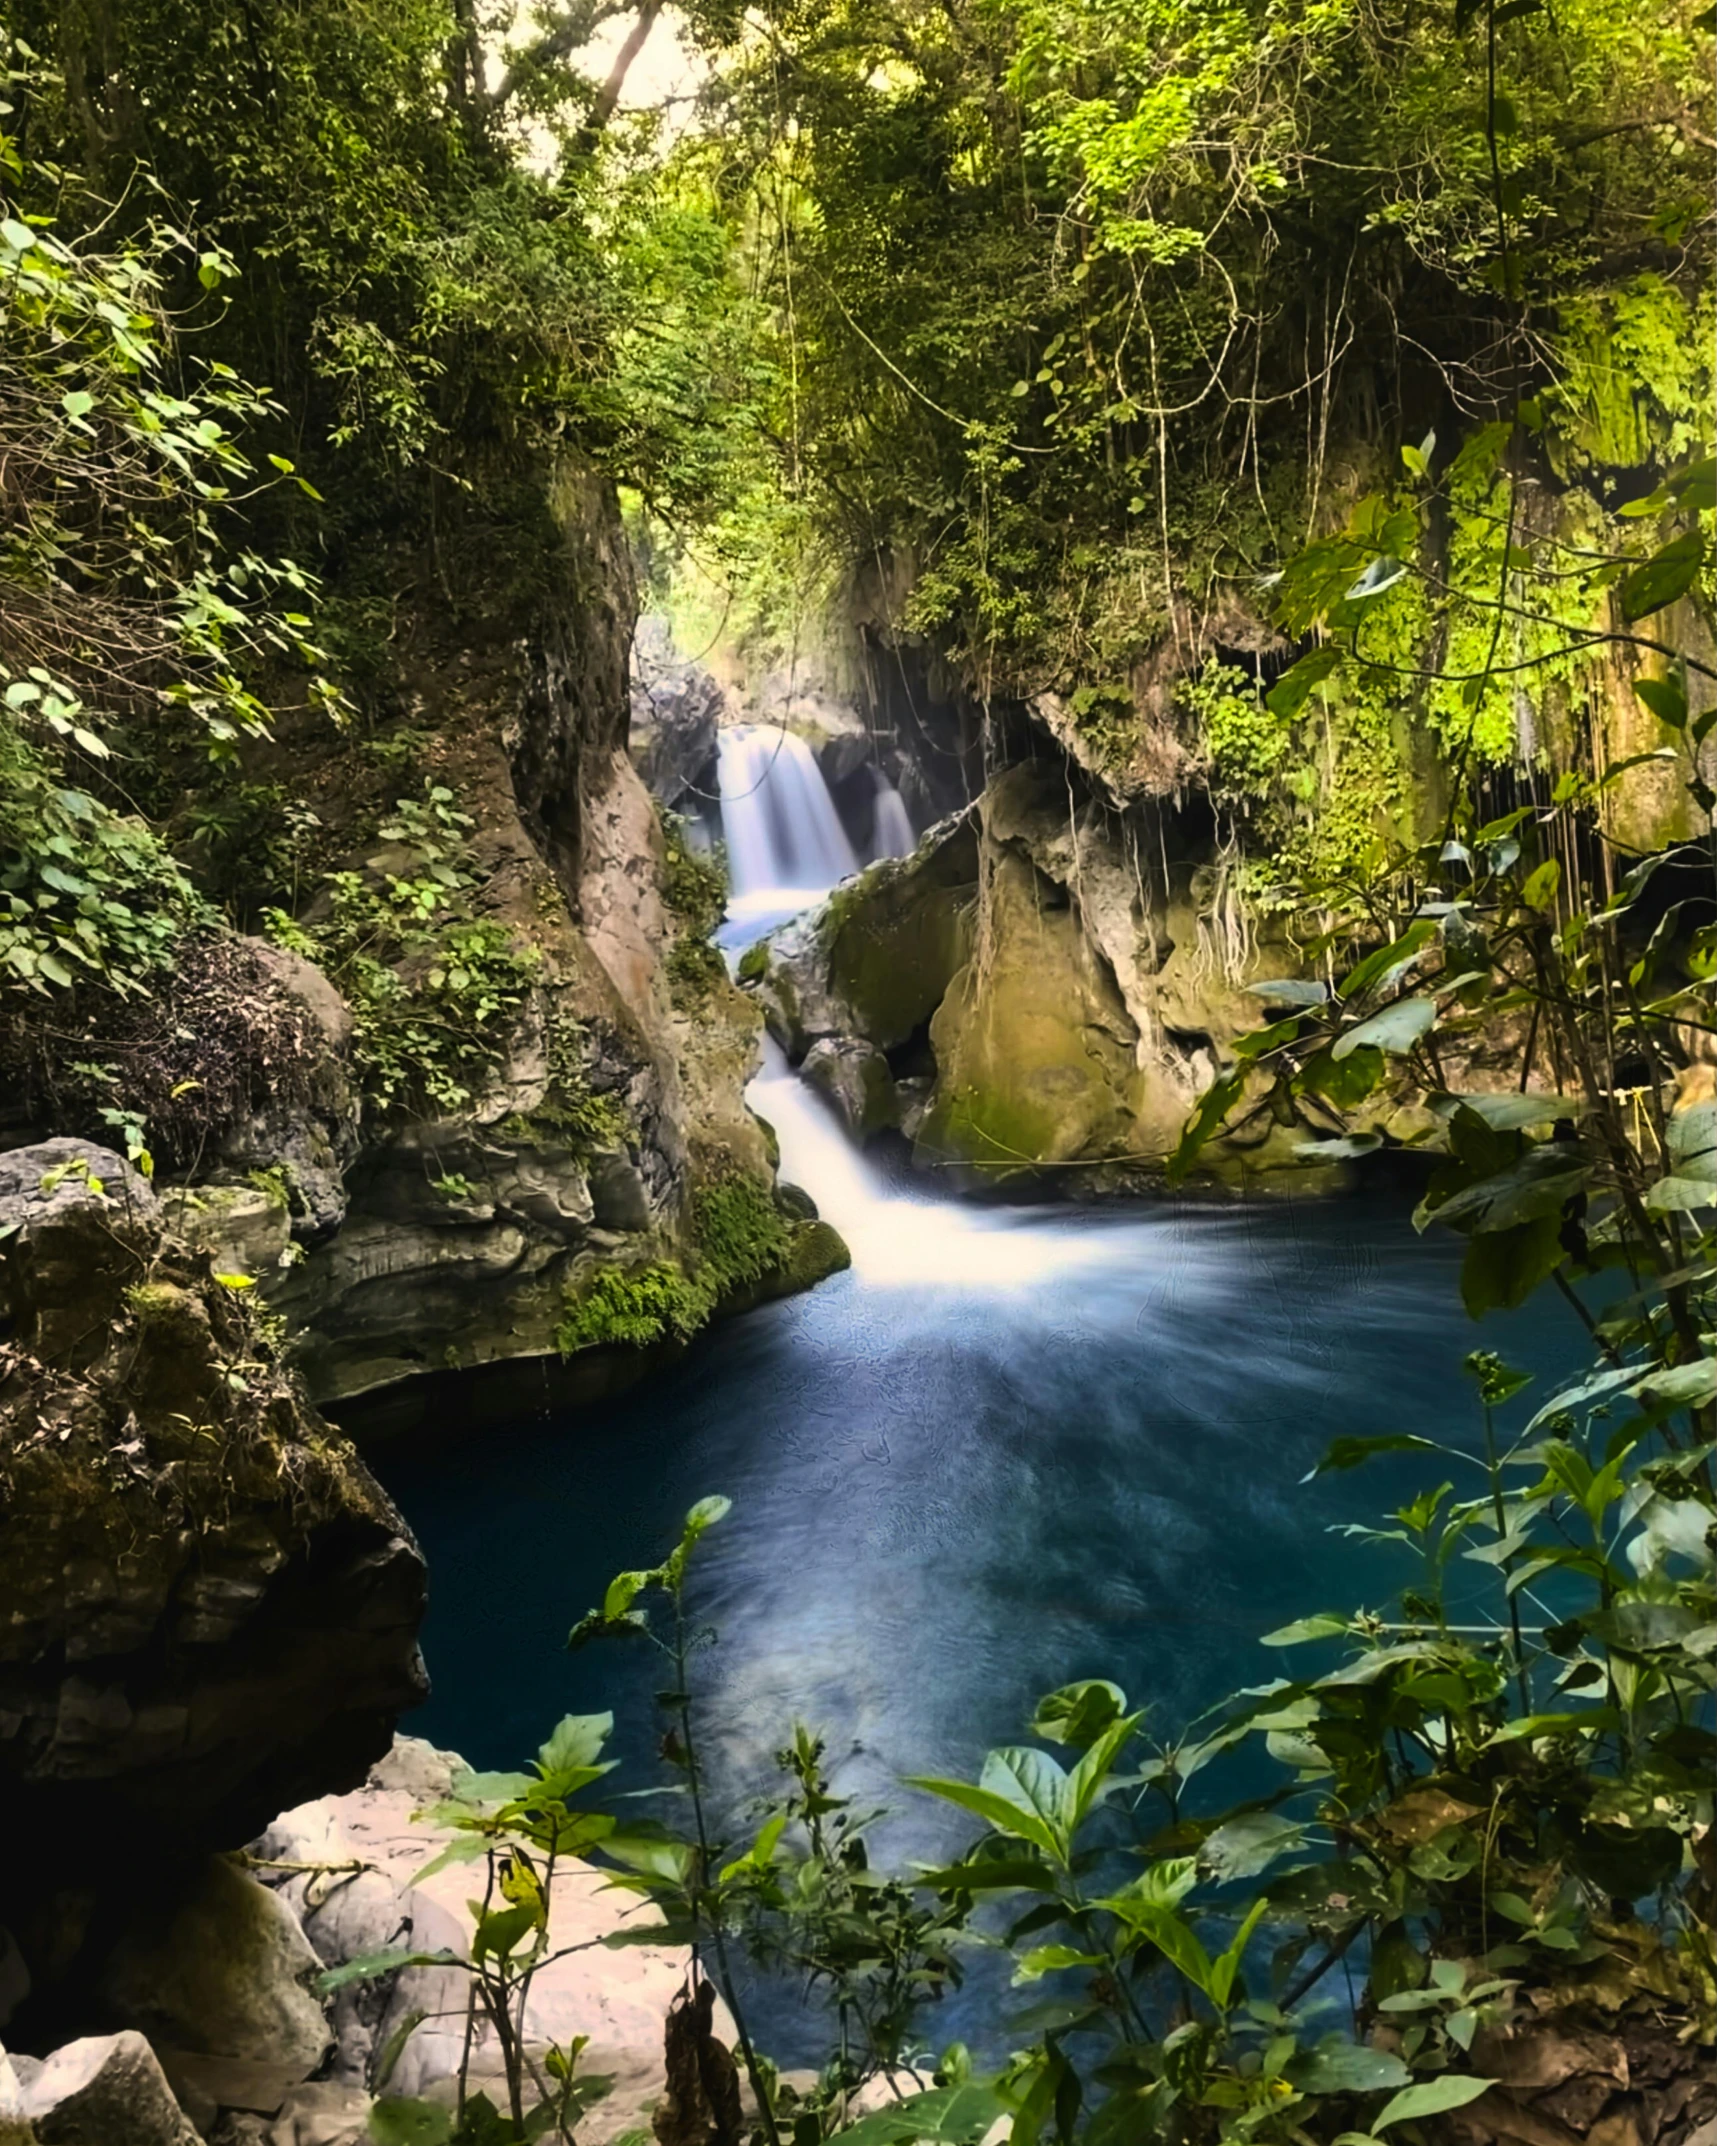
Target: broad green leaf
[652, 1854]
[1246, 1845]
[623, 1591]
[1226, 1966]
[1430, 2099]
[1078, 1714]
[705, 1514]
[500, 1931]
[1085, 1783]
[1666, 698]
[1291, 991]
[1323, 1626]
[1171, 1934]
[1342, 1454]
[946, 2116]
[1213, 1106]
[576, 1743]
[999, 1812]
[1048, 1959]
[988, 1874]
[370, 1966]
[1589, 1721]
[1667, 574]
[1339, 2067]
[1503, 1267]
[1289, 694]
[410, 2123]
[1364, 974]
[1396, 1028]
[1541, 885]
[1511, 1112]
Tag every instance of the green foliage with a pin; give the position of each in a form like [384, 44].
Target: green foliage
[85, 892]
[694, 884]
[738, 1239]
[633, 1306]
[1244, 736]
[435, 988]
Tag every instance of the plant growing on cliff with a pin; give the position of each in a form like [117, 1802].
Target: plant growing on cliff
[738, 1238]
[435, 987]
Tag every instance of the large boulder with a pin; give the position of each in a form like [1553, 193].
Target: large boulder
[875, 960]
[208, 1607]
[220, 1978]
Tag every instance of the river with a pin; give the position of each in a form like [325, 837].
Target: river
[1010, 1448]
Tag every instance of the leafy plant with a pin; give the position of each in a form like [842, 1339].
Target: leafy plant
[435, 988]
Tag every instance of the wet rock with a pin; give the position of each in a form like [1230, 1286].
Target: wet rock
[854, 1075]
[107, 2090]
[874, 961]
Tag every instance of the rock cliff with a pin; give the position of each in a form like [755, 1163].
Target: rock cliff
[1043, 990]
[400, 1225]
[208, 1607]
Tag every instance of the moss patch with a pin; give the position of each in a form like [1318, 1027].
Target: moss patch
[741, 1242]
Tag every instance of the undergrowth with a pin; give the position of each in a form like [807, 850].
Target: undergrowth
[738, 1239]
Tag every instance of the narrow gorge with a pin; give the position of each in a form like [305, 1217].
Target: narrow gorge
[858, 960]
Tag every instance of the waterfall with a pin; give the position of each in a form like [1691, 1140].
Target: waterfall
[786, 846]
[893, 836]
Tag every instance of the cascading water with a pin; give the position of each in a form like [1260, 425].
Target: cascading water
[786, 846]
[893, 836]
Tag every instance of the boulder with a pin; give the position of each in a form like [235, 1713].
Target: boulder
[220, 1980]
[620, 1998]
[322, 2114]
[875, 960]
[208, 1607]
[854, 1075]
[105, 2091]
[304, 1136]
[676, 709]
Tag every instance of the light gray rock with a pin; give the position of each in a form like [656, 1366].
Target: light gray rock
[105, 2091]
[322, 2115]
[15, 2127]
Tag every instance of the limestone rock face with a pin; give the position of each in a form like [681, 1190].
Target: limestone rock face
[1031, 991]
[208, 1607]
